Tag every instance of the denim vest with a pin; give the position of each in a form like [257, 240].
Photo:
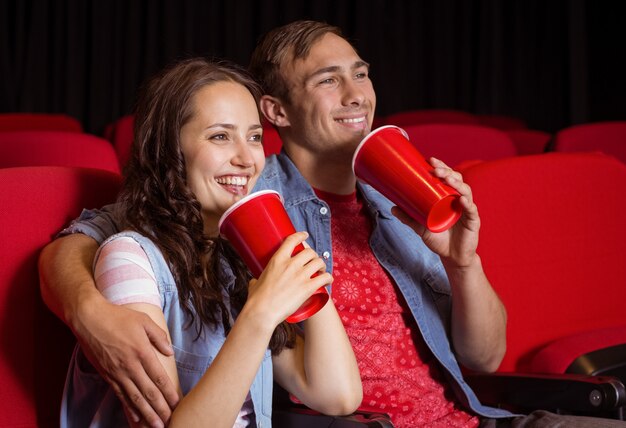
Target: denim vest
[415, 269]
[88, 400]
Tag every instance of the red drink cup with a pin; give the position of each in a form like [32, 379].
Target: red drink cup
[256, 226]
[386, 160]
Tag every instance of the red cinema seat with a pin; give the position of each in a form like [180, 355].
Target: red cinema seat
[552, 245]
[606, 137]
[272, 143]
[529, 141]
[46, 148]
[35, 347]
[39, 122]
[121, 134]
[460, 145]
[427, 116]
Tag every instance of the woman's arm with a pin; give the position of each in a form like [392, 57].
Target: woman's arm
[322, 370]
[118, 341]
[284, 285]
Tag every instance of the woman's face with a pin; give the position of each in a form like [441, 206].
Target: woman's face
[222, 148]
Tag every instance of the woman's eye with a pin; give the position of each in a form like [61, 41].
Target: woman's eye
[219, 137]
[256, 138]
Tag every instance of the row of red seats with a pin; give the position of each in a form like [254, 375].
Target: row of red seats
[32, 139]
[423, 116]
[39, 121]
[458, 138]
[62, 148]
[607, 137]
[551, 243]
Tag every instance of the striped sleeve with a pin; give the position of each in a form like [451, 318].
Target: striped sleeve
[123, 273]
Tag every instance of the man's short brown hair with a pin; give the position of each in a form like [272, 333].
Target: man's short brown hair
[287, 43]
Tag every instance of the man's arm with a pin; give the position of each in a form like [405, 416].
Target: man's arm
[118, 341]
[478, 315]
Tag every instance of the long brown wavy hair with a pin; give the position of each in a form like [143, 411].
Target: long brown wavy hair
[157, 202]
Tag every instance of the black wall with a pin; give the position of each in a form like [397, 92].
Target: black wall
[553, 63]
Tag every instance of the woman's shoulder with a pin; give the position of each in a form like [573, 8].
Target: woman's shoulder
[142, 246]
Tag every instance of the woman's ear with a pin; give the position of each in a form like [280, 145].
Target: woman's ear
[274, 111]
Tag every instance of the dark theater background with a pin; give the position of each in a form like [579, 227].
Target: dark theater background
[551, 63]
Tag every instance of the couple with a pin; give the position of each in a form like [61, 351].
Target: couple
[192, 336]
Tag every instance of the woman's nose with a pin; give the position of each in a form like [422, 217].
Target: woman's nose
[243, 155]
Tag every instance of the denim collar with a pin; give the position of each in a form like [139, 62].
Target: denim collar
[282, 175]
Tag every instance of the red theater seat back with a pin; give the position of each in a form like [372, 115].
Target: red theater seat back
[606, 137]
[425, 116]
[272, 144]
[460, 144]
[37, 202]
[50, 148]
[552, 244]
[39, 121]
[529, 141]
[121, 134]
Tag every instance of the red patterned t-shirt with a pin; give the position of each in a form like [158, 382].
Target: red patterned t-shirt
[400, 376]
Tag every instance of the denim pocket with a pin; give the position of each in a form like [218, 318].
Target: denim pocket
[190, 368]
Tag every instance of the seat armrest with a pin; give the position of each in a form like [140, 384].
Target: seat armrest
[608, 361]
[287, 413]
[560, 393]
[297, 416]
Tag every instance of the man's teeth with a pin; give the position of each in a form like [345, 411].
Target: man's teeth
[355, 120]
[232, 181]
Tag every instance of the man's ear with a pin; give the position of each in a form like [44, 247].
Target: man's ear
[274, 111]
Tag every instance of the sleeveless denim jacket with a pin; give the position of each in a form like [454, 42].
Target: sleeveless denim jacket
[88, 400]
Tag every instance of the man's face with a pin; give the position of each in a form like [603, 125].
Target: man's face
[331, 99]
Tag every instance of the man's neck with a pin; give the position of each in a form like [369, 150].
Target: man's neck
[327, 173]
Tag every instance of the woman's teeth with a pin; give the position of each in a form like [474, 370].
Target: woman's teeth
[232, 180]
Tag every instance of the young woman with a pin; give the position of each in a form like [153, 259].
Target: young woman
[197, 151]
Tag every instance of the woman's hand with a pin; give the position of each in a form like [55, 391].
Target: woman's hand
[287, 281]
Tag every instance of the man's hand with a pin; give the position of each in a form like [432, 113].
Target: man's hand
[458, 244]
[121, 344]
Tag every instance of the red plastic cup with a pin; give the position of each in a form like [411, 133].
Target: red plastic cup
[386, 160]
[256, 226]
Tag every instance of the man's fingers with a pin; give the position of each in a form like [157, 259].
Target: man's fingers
[128, 409]
[159, 388]
[154, 368]
[158, 338]
[136, 401]
[151, 399]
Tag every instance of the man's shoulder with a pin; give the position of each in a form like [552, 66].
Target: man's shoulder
[281, 174]
[270, 175]
[376, 200]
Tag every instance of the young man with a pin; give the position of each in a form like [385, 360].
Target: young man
[415, 304]
[390, 284]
